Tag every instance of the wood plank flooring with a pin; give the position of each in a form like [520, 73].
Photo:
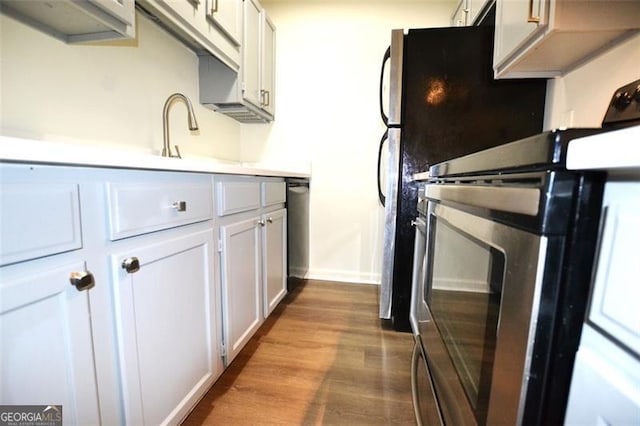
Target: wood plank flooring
[321, 358]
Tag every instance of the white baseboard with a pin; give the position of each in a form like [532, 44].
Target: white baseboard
[343, 276]
[298, 273]
[473, 286]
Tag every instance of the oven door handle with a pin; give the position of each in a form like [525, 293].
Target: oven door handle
[507, 199]
[417, 357]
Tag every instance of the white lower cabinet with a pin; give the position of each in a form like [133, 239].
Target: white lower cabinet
[241, 288]
[165, 313]
[46, 340]
[253, 257]
[142, 337]
[47, 355]
[274, 246]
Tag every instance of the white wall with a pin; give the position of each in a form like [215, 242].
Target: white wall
[329, 55]
[108, 94]
[580, 98]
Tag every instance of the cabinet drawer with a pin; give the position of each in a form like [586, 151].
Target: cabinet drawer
[139, 208]
[237, 196]
[38, 220]
[273, 193]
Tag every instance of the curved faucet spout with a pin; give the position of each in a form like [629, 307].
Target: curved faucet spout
[191, 118]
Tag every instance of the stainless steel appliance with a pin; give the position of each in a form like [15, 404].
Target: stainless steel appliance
[297, 227]
[500, 297]
[439, 101]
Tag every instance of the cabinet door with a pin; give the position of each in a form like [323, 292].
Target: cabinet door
[123, 10]
[241, 283]
[275, 259]
[516, 22]
[46, 340]
[268, 64]
[460, 17]
[165, 325]
[227, 16]
[251, 53]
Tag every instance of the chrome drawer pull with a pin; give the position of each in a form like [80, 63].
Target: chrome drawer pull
[82, 280]
[131, 264]
[180, 206]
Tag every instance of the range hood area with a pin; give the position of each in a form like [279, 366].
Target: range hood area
[222, 90]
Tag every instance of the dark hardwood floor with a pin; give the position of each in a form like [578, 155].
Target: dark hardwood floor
[320, 358]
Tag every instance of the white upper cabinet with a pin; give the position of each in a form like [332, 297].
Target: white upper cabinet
[76, 21]
[547, 38]
[247, 95]
[226, 15]
[210, 27]
[460, 17]
[468, 11]
[267, 65]
[251, 53]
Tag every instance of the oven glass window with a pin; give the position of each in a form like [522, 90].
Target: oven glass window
[464, 298]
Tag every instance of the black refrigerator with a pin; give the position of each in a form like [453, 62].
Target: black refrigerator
[442, 102]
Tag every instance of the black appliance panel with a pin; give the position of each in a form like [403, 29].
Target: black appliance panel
[451, 106]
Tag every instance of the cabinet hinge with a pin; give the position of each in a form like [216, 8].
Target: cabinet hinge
[223, 350]
[243, 86]
[219, 246]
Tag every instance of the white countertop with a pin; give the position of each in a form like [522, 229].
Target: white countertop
[618, 149]
[32, 151]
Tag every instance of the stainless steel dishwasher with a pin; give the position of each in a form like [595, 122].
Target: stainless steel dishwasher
[297, 229]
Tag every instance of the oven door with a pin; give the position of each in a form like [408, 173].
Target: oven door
[482, 295]
[418, 311]
[425, 405]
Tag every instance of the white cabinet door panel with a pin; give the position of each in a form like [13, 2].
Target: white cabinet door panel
[251, 53]
[227, 15]
[616, 280]
[267, 63]
[242, 289]
[47, 354]
[123, 10]
[275, 259]
[165, 315]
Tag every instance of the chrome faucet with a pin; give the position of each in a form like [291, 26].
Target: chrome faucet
[193, 124]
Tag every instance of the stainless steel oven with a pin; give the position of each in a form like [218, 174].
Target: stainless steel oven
[499, 294]
[506, 241]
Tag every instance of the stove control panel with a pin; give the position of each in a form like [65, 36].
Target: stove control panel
[624, 105]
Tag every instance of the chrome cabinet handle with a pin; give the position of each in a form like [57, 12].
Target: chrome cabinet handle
[531, 17]
[261, 222]
[270, 220]
[180, 206]
[82, 280]
[131, 264]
